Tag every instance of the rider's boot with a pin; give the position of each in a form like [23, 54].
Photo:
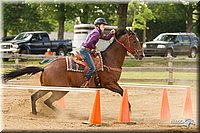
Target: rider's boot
[85, 83]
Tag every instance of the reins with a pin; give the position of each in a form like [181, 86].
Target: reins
[127, 48]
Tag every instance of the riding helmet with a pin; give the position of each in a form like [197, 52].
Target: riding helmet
[99, 21]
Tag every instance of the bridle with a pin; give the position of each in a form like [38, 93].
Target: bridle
[127, 48]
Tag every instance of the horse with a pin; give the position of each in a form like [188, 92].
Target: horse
[56, 74]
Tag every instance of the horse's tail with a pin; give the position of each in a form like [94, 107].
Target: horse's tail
[27, 70]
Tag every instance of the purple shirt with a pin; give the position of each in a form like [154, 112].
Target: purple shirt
[93, 37]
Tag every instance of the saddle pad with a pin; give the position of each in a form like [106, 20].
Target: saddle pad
[73, 66]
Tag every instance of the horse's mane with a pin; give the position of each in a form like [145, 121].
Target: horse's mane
[119, 32]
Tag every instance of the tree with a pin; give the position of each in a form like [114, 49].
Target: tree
[60, 13]
[139, 12]
[68, 12]
[122, 12]
[185, 14]
[169, 17]
[192, 16]
[87, 13]
[18, 17]
[10, 19]
[198, 23]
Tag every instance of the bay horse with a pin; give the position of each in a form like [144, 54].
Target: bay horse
[56, 74]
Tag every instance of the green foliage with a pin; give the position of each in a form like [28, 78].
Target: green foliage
[168, 12]
[69, 26]
[20, 17]
[139, 12]
[155, 17]
[175, 17]
[87, 13]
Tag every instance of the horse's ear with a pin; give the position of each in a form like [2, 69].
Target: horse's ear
[130, 31]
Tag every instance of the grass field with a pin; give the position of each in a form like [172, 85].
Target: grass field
[163, 75]
[158, 75]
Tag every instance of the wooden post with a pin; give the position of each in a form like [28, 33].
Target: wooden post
[17, 60]
[170, 65]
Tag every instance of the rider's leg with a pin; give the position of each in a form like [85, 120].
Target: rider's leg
[88, 59]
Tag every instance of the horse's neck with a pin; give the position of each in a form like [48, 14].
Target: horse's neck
[114, 56]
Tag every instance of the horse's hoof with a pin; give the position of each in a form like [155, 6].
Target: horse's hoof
[34, 112]
[47, 103]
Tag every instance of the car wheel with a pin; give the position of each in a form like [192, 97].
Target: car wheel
[193, 53]
[61, 51]
[169, 53]
[5, 59]
[24, 51]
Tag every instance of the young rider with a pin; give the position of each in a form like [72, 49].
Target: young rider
[89, 46]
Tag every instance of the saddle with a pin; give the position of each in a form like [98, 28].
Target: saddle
[76, 57]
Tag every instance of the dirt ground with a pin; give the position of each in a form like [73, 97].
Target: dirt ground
[146, 105]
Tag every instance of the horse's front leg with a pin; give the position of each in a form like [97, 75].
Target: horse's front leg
[114, 86]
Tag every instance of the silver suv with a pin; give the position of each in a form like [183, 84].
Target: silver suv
[172, 44]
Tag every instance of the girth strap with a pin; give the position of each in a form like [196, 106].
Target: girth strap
[112, 68]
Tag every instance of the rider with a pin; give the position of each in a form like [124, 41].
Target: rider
[89, 46]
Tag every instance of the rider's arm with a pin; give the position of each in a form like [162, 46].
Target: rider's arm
[107, 37]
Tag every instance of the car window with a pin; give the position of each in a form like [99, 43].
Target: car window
[186, 39]
[194, 39]
[45, 37]
[168, 38]
[36, 37]
[179, 39]
[23, 36]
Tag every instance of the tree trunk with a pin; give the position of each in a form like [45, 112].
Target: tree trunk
[5, 32]
[122, 12]
[61, 29]
[84, 18]
[189, 23]
[61, 21]
[144, 31]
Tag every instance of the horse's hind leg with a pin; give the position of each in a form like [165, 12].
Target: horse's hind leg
[56, 95]
[35, 97]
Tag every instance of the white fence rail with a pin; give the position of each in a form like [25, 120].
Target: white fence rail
[50, 88]
[75, 89]
[168, 68]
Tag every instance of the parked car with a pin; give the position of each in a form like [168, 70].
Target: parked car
[35, 43]
[172, 44]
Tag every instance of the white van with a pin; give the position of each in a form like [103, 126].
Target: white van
[81, 31]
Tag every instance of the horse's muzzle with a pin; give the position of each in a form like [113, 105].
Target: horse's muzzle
[140, 55]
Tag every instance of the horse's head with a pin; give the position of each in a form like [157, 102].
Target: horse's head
[135, 43]
[131, 43]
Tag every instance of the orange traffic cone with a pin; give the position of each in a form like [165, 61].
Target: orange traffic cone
[165, 111]
[124, 115]
[188, 105]
[61, 102]
[95, 116]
